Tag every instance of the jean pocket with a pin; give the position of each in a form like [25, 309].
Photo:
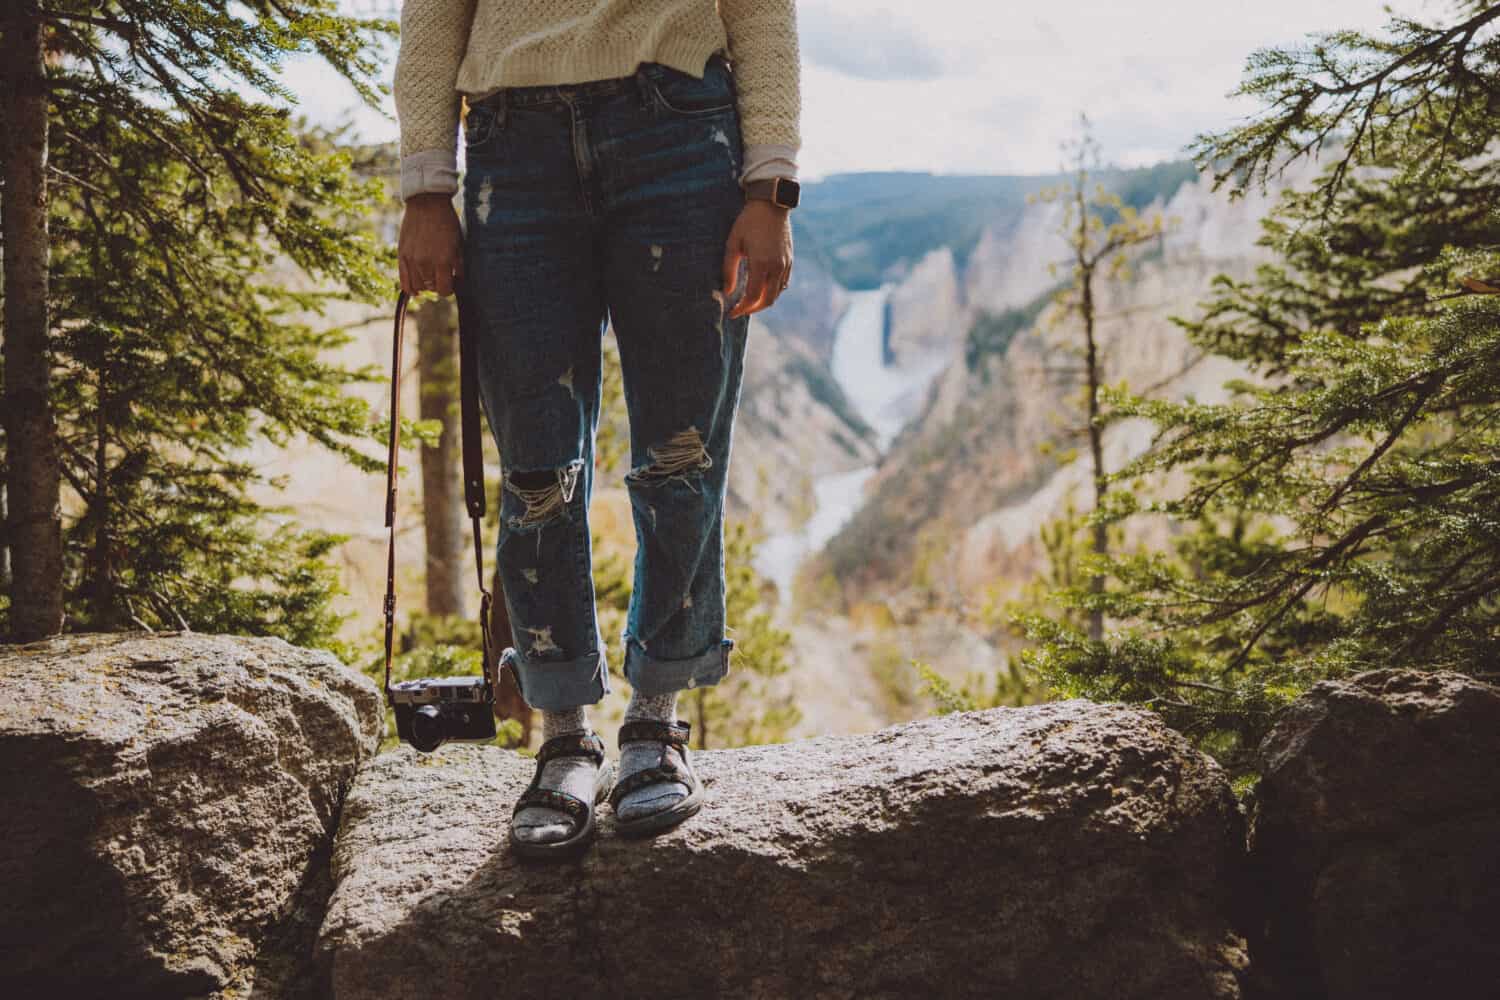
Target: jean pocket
[481, 123]
[689, 96]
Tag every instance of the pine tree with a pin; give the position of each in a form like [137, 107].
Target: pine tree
[167, 349]
[33, 518]
[1100, 230]
[1343, 511]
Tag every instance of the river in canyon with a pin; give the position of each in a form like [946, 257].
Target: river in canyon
[884, 396]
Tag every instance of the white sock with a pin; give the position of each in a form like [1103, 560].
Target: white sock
[574, 775]
[637, 755]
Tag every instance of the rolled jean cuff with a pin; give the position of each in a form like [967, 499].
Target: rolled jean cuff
[555, 685]
[649, 676]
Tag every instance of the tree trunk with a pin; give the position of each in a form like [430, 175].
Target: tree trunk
[1086, 268]
[508, 701]
[4, 549]
[701, 703]
[33, 530]
[1096, 450]
[443, 513]
[99, 576]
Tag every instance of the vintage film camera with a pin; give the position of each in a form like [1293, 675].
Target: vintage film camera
[434, 710]
[431, 711]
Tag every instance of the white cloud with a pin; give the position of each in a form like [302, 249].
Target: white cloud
[959, 86]
[871, 42]
[1151, 76]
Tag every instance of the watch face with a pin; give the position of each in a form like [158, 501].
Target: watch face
[788, 192]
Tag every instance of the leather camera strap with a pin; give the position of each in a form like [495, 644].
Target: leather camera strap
[468, 393]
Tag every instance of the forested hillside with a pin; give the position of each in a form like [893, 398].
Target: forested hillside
[864, 226]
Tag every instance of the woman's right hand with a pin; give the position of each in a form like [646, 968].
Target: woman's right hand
[430, 248]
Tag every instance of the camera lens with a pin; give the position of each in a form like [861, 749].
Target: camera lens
[426, 729]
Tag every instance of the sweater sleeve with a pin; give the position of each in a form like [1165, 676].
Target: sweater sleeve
[434, 35]
[763, 47]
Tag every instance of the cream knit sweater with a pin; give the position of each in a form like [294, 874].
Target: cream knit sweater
[454, 48]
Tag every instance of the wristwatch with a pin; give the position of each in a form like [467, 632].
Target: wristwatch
[781, 191]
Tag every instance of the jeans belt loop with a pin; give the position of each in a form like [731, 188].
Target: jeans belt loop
[642, 86]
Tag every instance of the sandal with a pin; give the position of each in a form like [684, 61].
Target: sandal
[673, 766]
[582, 813]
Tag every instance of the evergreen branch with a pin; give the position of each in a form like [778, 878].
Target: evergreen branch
[1186, 367]
[1428, 388]
[1197, 685]
[1305, 93]
[119, 27]
[1465, 598]
[1345, 546]
[73, 179]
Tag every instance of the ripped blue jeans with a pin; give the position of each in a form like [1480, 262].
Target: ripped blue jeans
[614, 198]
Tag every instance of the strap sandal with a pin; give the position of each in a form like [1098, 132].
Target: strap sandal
[581, 812]
[675, 765]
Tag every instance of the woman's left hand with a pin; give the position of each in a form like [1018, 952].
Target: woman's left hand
[763, 235]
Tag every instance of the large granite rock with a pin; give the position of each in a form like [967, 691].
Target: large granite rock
[1063, 850]
[1377, 834]
[168, 802]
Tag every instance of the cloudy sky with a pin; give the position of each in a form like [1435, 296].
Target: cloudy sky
[993, 86]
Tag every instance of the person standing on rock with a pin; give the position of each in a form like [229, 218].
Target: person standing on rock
[634, 158]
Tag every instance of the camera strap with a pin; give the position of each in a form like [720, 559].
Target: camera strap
[468, 392]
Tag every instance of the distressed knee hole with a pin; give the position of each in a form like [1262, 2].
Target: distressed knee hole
[541, 642]
[682, 455]
[545, 493]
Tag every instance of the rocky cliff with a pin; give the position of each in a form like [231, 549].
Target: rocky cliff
[201, 817]
[793, 424]
[1070, 850]
[169, 801]
[966, 486]
[811, 306]
[1375, 831]
[926, 311]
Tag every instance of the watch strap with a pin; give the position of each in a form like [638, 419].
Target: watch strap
[766, 189]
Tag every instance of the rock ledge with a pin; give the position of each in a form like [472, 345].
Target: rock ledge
[1376, 833]
[168, 798]
[1062, 850]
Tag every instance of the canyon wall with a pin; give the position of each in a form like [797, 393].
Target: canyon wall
[961, 495]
